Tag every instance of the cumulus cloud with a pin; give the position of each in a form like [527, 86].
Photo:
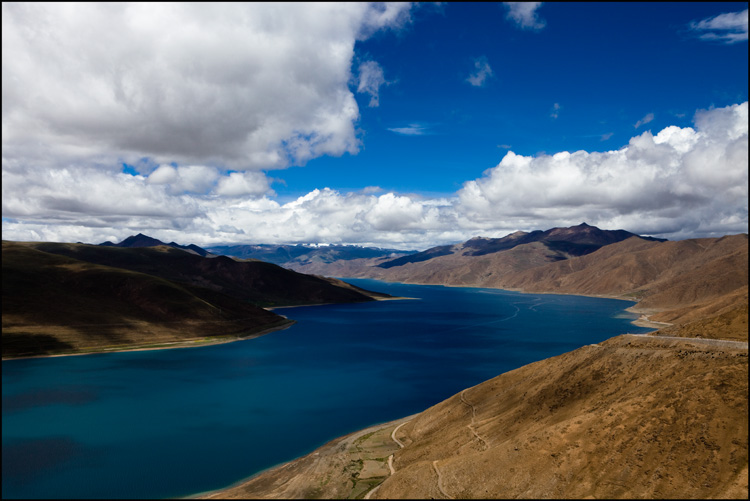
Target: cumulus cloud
[524, 14]
[729, 28]
[643, 121]
[243, 184]
[680, 182]
[482, 72]
[247, 86]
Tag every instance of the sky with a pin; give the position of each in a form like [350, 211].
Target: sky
[392, 125]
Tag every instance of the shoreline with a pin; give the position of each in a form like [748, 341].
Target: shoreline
[320, 454]
[197, 342]
[393, 298]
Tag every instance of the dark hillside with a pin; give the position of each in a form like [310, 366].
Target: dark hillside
[261, 283]
[56, 304]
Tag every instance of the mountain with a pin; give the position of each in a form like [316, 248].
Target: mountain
[669, 279]
[141, 240]
[561, 242]
[60, 297]
[674, 281]
[302, 255]
[480, 261]
[54, 304]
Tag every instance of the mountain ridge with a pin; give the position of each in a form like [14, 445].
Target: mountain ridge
[62, 298]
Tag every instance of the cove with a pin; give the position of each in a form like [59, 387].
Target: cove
[170, 423]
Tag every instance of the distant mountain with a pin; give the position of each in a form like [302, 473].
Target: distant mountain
[669, 279]
[675, 278]
[479, 261]
[141, 240]
[67, 298]
[566, 242]
[305, 254]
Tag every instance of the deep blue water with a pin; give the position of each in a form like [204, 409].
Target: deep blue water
[170, 423]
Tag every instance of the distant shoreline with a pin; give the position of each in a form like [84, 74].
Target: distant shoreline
[642, 321]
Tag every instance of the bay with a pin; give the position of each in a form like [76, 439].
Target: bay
[170, 423]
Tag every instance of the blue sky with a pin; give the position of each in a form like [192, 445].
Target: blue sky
[395, 125]
[606, 65]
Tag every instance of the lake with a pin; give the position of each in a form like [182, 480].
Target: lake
[170, 423]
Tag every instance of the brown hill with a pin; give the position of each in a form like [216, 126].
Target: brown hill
[632, 417]
[671, 277]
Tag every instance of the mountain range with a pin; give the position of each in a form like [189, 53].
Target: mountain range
[669, 279]
[62, 298]
[306, 254]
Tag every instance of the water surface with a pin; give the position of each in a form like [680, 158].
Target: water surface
[168, 423]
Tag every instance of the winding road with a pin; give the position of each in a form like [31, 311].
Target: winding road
[390, 458]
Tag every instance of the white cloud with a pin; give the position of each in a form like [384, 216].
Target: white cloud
[242, 86]
[370, 79]
[411, 130]
[197, 179]
[643, 121]
[607, 136]
[242, 184]
[524, 14]
[482, 72]
[681, 182]
[729, 28]
[688, 181]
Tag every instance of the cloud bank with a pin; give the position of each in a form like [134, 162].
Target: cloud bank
[249, 86]
[677, 183]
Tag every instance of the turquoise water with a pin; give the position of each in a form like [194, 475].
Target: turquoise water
[170, 423]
